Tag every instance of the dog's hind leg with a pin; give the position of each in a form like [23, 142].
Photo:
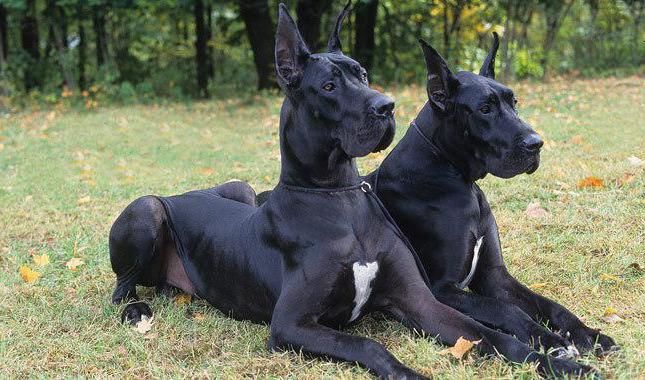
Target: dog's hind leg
[136, 240]
[237, 190]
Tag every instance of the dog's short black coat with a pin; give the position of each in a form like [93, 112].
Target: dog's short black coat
[467, 129]
[320, 252]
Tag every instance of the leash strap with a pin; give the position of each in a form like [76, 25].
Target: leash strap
[367, 189]
[370, 193]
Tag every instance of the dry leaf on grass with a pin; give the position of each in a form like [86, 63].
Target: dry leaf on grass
[534, 210]
[206, 171]
[591, 181]
[83, 200]
[28, 275]
[577, 139]
[144, 325]
[198, 316]
[461, 347]
[635, 161]
[183, 299]
[609, 277]
[636, 267]
[625, 179]
[41, 260]
[538, 285]
[611, 315]
[74, 263]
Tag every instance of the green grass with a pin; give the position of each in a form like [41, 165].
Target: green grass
[64, 325]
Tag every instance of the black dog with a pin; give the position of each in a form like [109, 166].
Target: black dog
[321, 252]
[469, 128]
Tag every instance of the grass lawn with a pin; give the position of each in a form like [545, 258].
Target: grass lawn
[66, 175]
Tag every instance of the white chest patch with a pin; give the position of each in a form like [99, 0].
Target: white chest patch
[363, 275]
[473, 266]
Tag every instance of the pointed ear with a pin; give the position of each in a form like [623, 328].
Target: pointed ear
[334, 45]
[488, 68]
[441, 83]
[290, 50]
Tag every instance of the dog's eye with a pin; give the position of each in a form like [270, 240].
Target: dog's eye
[329, 87]
[485, 109]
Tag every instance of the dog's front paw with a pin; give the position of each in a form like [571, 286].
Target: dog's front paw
[591, 340]
[404, 373]
[564, 368]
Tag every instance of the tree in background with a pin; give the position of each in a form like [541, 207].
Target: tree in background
[195, 48]
[261, 33]
[309, 14]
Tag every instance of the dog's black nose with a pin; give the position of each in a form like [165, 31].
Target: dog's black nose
[532, 143]
[383, 106]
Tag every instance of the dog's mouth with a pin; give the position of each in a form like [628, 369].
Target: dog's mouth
[532, 163]
[388, 135]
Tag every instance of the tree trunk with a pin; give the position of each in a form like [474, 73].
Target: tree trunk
[201, 55]
[446, 31]
[506, 40]
[636, 9]
[209, 39]
[29, 40]
[56, 21]
[100, 34]
[309, 17]
[555, 13]
[4, 47]
[82, 44]
[365, 25]
[261, 34]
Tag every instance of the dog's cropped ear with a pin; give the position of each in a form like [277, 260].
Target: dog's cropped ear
[488, 68]
[291, 52]
[334, 45]
[441, 83]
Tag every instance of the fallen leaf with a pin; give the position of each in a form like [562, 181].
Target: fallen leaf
[636, 267]
[206, 171]
[538, 285]
[577, 139]
[461, 347]
[609, 277]
[625, 179]
[28, 275]
[198, 316]
[611, 315]
[74, 263]
[41, 260]
[83, 200]
[534, 210]
[183, 299]
[144, 325]
[591, 182]
[635, 161]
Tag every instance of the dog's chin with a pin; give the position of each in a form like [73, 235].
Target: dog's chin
[533, 166]
[387, 137]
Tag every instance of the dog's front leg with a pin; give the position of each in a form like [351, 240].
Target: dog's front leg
[294, 326]
[497, 282]
[416, 307]
[500, 315]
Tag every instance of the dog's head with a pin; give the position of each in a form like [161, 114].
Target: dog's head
[485, 129]
[330, 94]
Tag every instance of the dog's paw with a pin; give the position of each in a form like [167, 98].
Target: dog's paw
[404, 373]
[133, 312]
[562, 368]
[591, 340]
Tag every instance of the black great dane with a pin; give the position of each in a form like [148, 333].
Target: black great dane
[322, 251]
[467, 129]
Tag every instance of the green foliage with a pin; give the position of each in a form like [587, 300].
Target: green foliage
[151, 43]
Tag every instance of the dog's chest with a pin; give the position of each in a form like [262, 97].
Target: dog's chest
[364, 274]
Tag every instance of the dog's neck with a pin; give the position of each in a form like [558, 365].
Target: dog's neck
[308, 157]
[448, 137]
